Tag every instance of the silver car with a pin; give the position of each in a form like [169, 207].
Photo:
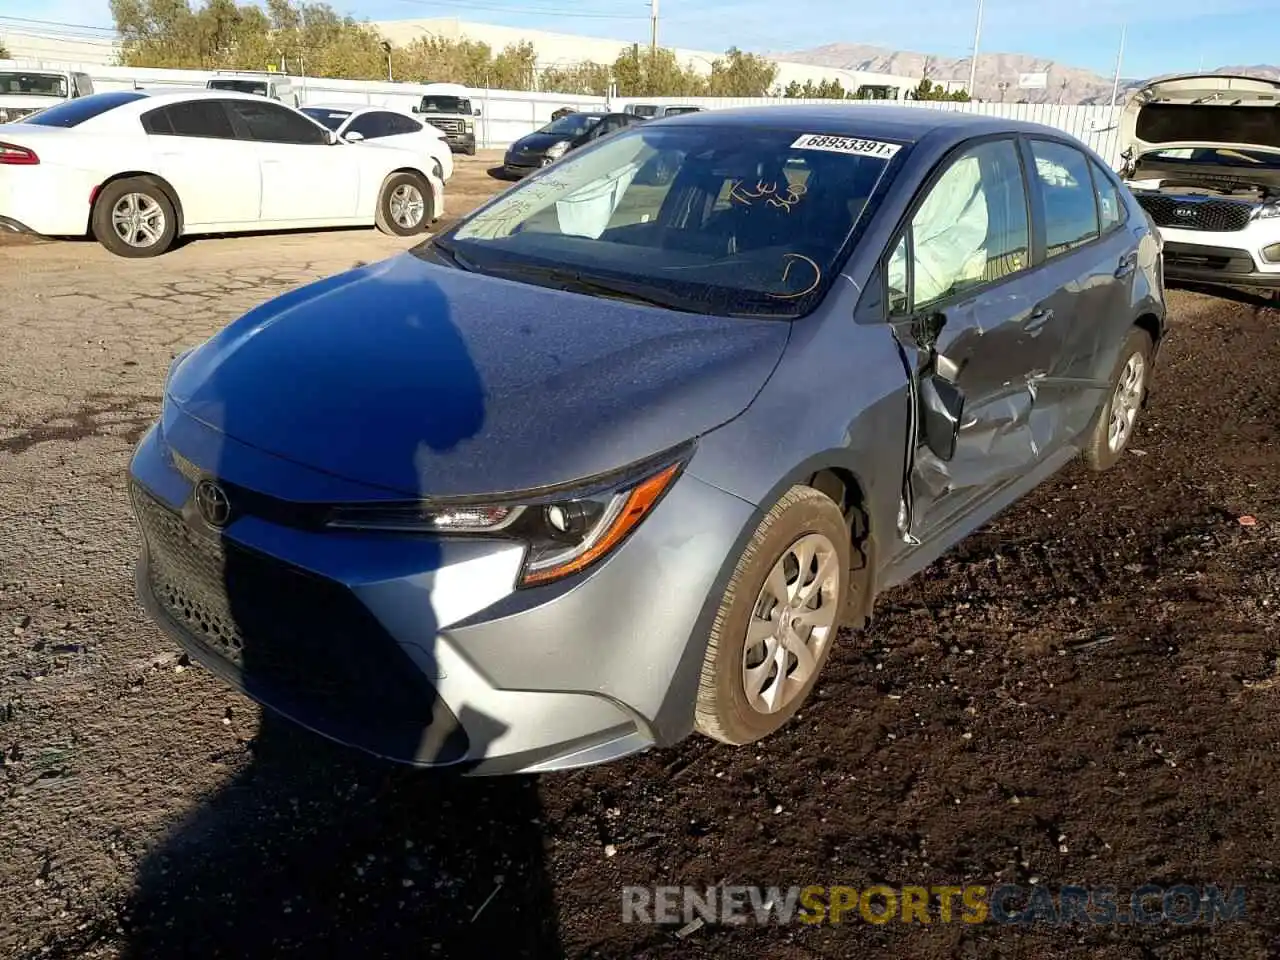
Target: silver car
[615, 458]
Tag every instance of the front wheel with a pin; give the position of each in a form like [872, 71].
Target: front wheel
[403, 205]
[1116, 421]
[134, 218]
[777, 620]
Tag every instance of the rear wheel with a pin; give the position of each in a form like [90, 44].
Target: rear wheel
[1118, 418]
[134, 218]
[777, 620]
[403, 205]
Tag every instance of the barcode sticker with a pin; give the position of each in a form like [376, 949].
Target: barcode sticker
[849, 145]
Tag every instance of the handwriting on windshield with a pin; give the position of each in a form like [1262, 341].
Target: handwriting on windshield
[769, 193]
[791, 259]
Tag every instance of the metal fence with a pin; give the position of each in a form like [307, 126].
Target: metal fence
[507, 115]
[1096, 126]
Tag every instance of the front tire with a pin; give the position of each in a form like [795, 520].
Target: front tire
[777, 620]
[404, 205]
[1116, 421]
[134, 218]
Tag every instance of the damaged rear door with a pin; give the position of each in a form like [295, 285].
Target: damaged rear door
[976, 335]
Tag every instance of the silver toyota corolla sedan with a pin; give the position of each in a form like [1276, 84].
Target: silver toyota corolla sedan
[615, 458]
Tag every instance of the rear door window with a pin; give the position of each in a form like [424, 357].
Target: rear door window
[373, 125]
[205, 119]
[401, 124]
[1070, 207]
[1110, 206]
[267, 122]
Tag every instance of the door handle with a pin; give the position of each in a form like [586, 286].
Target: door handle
[1040, 316]
[1128, 264]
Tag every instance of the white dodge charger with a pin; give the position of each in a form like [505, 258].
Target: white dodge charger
[138, 168]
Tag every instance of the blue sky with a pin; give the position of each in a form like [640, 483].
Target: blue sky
[1163, 36]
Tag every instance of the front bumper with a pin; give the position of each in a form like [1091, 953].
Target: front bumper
[523, 166]
[421, 650]
[1232, 258]
[464, 142]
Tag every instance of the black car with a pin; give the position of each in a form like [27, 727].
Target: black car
[557, 138]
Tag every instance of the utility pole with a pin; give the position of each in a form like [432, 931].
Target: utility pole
[653, 29]
[1115, 87]
[973, 64]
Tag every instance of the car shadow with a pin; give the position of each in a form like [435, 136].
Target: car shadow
[1249, 298]
[500, 173]
[313, 848]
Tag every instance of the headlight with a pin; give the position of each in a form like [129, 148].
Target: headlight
[468, 127]
[566, 532]
[556, 150]
[1268, 210]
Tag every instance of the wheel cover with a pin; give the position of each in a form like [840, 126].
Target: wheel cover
[407, 206]
[1126, 402]
[138, 220]
[792, 623]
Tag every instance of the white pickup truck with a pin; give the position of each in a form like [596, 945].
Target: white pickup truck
[24, 90]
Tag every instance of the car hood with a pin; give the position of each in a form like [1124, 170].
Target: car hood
[430, 381]
[1202, 110]
[538, 142]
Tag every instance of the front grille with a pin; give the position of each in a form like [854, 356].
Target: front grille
[447, 126]
[284, 631]
[1194, 213]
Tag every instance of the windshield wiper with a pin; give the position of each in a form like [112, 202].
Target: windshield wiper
[451, 256]
[614, 290]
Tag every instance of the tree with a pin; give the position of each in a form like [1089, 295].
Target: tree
[4, 51]
[739, 74]
[644, 73]
[928, 90]
[587, 79]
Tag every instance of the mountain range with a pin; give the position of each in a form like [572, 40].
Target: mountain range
[1066, 84]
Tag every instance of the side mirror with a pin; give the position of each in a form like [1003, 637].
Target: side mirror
[353, 137]
[941, 407]
[415, 109]
[476, 112]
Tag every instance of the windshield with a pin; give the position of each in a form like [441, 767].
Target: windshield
[330, 118]
[1223, 155]
[642, 110]
[570, 126]
[256, 87]
[676, 111]
[445, 105]
[709, 219]
[33, 85]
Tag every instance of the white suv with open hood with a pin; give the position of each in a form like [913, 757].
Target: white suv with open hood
[1202, 155]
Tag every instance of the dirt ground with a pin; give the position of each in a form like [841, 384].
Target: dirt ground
[1084, 693]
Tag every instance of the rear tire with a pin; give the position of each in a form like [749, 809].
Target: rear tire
[134, 218]
[1117, 420]
[753, 681]
[404, 205]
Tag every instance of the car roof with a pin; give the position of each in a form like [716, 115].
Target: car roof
[353, 108]
[198, 93]
[868, 121]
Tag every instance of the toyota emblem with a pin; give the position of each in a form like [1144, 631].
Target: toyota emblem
[212, 503]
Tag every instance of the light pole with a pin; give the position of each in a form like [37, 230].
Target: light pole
[973, 64]
[1115, 87]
